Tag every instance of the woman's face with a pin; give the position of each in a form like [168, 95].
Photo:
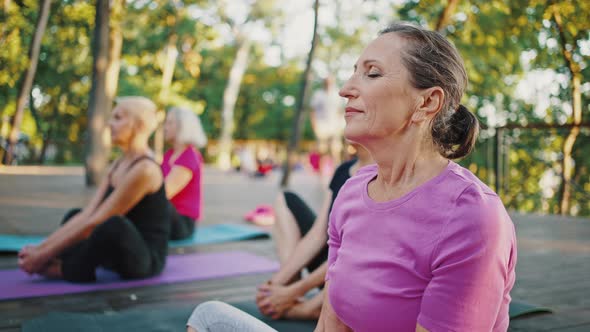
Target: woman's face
[380, 97]
[170, 128]
[122, 126]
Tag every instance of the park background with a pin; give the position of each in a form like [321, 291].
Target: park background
[248, 68]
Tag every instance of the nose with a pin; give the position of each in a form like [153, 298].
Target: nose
[349, 90]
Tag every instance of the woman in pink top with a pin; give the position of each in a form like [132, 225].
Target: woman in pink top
[416, 242]
[182, 168]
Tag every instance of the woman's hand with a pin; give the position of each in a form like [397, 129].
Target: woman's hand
[32, 259]
[261, 294]
[305, 310]
[276, 299]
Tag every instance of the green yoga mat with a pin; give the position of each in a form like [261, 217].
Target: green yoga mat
[205, 235]
[519, 309]
[144, 320]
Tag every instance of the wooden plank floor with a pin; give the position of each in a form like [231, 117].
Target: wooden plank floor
[552, 270]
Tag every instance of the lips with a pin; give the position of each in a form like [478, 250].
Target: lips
[352, 110]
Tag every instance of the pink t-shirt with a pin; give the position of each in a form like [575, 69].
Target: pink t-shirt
[189, 201]
[442, 256]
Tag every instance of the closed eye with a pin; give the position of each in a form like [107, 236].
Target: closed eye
[373, 72]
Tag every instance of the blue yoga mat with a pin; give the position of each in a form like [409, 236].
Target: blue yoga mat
[221, 233]
[204, 235]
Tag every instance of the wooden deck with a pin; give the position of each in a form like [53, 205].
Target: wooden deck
[552, 271]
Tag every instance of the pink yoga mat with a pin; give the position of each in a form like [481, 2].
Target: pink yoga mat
[15, 284]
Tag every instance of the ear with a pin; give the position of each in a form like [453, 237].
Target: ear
[430, 102]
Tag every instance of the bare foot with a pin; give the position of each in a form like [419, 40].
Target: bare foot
[52, 270]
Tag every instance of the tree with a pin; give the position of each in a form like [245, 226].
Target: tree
[568, 49]
[445, 16]
[27, 81]
[260, 10]
[100, 102]
[299, 118]
[230, 96]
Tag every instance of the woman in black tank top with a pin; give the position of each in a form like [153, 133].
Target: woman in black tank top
[125, 227]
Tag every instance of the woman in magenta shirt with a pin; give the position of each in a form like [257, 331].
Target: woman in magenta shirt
[182, 167]
[416, 242]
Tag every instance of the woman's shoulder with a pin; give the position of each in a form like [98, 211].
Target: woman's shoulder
[191, 152]
[190, 158]
[475, 205]
[467, 183]
[146, 166]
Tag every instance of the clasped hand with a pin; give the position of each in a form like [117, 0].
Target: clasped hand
[275, 300]
[32, 260]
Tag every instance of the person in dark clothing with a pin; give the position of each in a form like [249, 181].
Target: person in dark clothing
[126, 225]
[300, 238]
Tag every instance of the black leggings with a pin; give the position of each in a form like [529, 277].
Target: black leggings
[115, 244]
[305, 218]
[181, 226]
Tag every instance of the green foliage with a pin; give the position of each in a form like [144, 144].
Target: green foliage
[492, 36]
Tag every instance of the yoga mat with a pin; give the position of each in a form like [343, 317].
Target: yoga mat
[220, 233]
[518, 309]
[173, 319]
[12, 243]
[145, 320]
[204, 235]
[179, 268]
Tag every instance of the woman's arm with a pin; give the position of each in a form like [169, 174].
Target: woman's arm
[309, 246]
[472, 267]
[177, 179]
[328, 321]
[313, 280]
[141, 180]
[93, 203]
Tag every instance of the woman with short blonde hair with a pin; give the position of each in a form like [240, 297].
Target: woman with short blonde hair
[126, 225]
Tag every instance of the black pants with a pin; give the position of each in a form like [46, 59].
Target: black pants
[305, 218]
[115, 244]
[181, 226]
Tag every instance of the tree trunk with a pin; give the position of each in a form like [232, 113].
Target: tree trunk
[568, 146]
[115, 47]
[99, 104]
[47, 136]
[38, 122]
[27, 82]
[170, 54]
[575, 72]
[299, 118]
[445, 16]
[230, 96]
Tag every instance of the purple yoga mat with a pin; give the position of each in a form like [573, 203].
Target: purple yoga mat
[16, 284]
